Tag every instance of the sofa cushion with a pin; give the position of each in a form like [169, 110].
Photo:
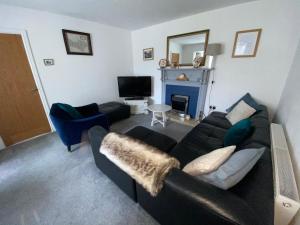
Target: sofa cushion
[236, 134]
[209, 162]
[160, 141]
[68, 111]
[241, 111]
[217, 119]
[234, 169]
[200, 140]
[247, 98]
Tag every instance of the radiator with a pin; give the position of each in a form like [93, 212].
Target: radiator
[286, 193]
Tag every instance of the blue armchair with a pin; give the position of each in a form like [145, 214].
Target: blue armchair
[69, 129]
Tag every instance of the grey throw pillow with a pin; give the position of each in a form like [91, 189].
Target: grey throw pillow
[234, 169]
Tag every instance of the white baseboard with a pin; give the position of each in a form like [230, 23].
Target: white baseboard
[2, 145]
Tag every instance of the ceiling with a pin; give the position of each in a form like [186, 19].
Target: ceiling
[128, 14]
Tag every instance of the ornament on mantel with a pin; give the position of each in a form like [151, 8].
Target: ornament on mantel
[182, 77]
[163, 63]
[197, 61]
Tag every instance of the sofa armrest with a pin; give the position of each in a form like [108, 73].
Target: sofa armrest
[193, 202]
[96, 135]
[70, 131]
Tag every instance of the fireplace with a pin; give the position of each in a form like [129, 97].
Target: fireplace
[180, 104]
[191, 93]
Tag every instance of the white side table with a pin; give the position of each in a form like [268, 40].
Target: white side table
[159, 113]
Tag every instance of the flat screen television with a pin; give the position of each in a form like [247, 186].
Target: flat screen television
[134, 87]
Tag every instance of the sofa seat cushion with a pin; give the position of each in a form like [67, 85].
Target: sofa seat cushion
[217, 119]
[201, 140]
[150, 137]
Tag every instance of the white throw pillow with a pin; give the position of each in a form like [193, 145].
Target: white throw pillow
[209, 162]
[241, 111]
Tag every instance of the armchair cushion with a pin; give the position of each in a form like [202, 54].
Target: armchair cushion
[69, 111]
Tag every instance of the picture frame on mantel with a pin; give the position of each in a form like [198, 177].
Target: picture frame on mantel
[77, 43]
[246, 43]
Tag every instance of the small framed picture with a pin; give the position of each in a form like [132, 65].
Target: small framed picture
[163, 63]
[77, 43]
[148, 54]
[246, 43]
[49, 62]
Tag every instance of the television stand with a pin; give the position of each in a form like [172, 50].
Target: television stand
[135, 98]
[137, 106]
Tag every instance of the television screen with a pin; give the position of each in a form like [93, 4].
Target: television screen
[134, 86]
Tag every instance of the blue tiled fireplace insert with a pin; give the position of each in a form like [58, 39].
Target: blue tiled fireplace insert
[191, 92]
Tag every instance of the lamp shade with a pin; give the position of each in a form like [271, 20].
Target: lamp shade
[213, 49]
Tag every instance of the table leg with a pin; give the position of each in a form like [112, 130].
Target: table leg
[153, 119]
[164, 119]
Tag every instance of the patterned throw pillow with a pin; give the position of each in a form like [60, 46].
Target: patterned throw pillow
[241, 111]
[209, 162]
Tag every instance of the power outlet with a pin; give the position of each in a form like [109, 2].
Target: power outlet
[213, 107]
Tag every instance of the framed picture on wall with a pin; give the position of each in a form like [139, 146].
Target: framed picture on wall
[77, 43]
[148, 54]
[246, 43]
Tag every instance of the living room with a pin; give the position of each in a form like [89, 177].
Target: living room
[44, 183]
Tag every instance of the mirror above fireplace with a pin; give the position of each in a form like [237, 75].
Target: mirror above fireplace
[185, 47]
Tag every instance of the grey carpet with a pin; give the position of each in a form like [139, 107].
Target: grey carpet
[41, 183]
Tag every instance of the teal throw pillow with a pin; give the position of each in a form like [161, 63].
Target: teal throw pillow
[237, 133]
[73, 113]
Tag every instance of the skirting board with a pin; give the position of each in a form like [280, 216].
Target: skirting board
[2, 145]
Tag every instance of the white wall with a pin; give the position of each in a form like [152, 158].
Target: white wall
[288, 114]
[74, 79]
[262, 76]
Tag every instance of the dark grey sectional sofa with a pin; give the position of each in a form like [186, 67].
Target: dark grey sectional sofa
[184, 200]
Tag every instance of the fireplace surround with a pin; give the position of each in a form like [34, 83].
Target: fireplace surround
[195, 89]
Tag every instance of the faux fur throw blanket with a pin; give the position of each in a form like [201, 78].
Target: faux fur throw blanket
[144, 163]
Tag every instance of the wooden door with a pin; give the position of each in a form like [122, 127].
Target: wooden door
[22, 115]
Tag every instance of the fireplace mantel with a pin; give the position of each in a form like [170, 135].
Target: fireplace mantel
[198, 78]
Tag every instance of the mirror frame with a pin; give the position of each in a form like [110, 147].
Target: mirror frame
[206, 32]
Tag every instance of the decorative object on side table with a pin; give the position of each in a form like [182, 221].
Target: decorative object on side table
[197, 61]
[212, 51]
[182, 77]
[77, 43]
[163, 63]
[148, 54]
[49, 62]
[246, 43]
